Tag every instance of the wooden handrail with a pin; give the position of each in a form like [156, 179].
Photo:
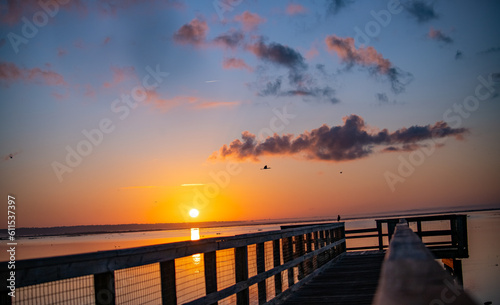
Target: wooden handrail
[410, 275]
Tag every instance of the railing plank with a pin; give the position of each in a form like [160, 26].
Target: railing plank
[210, 261]
[241, 274]
[261, 267]
[277, 262]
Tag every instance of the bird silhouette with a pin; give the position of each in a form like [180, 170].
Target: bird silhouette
[265, 167]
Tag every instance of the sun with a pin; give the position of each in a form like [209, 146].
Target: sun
[194, 213]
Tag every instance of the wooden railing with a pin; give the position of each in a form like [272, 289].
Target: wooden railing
[453, 239]
[411, 275]
[299, 253]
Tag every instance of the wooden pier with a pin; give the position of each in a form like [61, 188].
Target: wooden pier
[295, 265]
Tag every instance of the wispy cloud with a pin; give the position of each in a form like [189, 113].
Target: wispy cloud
[9, 73]
[139, 187]
[295, 9]
[120, 75]
[489, 51]
[368, 57]
[335, 6]
[421, 10]
[350, 141]
[214, 104]
[235, 63]
[438, 35]
[249, 21]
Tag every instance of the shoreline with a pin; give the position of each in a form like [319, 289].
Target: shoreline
[34, 232]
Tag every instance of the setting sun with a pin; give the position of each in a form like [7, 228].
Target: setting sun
[194, 213]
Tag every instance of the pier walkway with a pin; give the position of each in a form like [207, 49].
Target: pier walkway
[352, 280]
[301, 264]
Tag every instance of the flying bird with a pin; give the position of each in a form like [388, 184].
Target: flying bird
[265, 167]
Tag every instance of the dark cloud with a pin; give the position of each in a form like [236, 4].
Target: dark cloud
[193, 33]
[458, 55]
[230, 40]
[368, 57]
[278, 54]
[382, 98]
[438, 35]
[334, 6]
[489, 51]
[421, 10]
[350, 141]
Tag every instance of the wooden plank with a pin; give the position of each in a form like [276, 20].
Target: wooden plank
[241, 274]
[356, 231]
[210, 261]
[299, 249]
[261, 268]
[380, 237]
[287, 257]
[350, 280]
[104, 288]
[168, 286]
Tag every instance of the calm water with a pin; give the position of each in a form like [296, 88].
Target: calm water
[481, 271]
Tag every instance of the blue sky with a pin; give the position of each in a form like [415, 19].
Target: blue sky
[235, 67]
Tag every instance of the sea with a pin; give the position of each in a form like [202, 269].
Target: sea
[481, 271]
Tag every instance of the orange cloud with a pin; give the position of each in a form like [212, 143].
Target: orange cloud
[194, 32]
[345, 49]
[119, 75]
[208, 104]
[250, 21]
[295, 9]
[9, 72]
[235, 63]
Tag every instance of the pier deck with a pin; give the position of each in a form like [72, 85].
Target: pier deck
[352, 280]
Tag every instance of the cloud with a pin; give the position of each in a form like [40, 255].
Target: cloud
[367, 57]
[439, 36]
[9, 72]
[421, 11]
[278, 54]
[350, 141]
[489, 51]
[458, 55]
[312, 52]
[295, 9]
[106, 40]
[119, 76]
[194, 33]
[230, 40]
[382, 98]
[250, 21]
[209, 105]
[334, 6]
[235, 63]
[61, 52]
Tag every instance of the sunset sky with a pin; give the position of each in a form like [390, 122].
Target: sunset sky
[131, 111]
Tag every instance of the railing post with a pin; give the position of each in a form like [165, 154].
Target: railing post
[210, 261]
[380, 237]
[104, 288]
[261, 268]
[276, 263]
[288, 256]
[299, 248]
[168, 289]
[419, 229]
[461, 235]
[241, 272]
[309, 263]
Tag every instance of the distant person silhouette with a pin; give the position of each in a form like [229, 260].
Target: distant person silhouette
[338, 217]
